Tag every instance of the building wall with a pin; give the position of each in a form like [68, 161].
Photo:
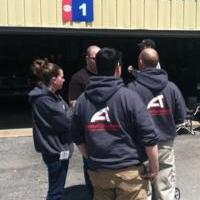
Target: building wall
[111, 14]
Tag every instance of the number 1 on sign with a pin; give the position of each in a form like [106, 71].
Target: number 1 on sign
[83, 7]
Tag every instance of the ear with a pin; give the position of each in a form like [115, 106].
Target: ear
[52, 84]
[118, 71]
[140, 64]
[87, 57]
[52, 81]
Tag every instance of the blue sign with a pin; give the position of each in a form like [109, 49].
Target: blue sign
[82, 10]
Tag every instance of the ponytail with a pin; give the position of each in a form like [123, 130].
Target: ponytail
[44, 70]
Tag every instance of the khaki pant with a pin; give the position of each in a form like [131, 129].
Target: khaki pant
[123, 184]
[164, 185]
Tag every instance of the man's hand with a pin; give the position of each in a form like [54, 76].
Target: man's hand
[150, 176]
[152, 153]
[130, 69]
[83, 151]
[72, 103]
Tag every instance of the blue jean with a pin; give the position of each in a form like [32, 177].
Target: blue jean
[57, 172]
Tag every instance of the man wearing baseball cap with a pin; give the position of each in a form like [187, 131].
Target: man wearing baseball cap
[145, 43]
[148, 43]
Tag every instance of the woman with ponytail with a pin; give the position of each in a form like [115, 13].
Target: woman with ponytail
[51, 124]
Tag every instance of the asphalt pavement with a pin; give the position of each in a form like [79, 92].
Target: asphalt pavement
[23, 175]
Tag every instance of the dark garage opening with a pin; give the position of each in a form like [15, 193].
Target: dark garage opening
[178, 55]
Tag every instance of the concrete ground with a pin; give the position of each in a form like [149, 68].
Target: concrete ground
[23, 175]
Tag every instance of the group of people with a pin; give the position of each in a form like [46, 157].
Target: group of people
[124, 133]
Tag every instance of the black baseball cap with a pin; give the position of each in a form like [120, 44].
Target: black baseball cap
[147, 43]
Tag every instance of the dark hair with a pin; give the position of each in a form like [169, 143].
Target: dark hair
[107, 60]
[44, 70]
[147, 43]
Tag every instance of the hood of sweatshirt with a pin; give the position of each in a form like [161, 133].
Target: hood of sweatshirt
[152, 78]
[102, 88]
[39, 90]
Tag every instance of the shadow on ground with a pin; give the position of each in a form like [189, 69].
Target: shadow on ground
[76, 192]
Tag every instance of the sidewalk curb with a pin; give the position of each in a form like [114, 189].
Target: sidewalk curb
[21, 132]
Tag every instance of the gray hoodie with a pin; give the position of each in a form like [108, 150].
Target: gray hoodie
[113, 123]
[163, 99]
[51, 121]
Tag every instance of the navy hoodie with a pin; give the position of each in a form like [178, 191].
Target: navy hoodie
[113, 123]
[51, 122]
[163, 99]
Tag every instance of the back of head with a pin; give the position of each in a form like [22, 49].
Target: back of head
[93, 49]
[148, 58]
[107, 59]
[44, 70]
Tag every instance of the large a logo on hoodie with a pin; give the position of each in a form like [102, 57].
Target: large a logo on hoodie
[157, 107]
[101, 121]
[156, 102]
[101, 115]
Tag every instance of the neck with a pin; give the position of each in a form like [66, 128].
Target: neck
[90, 70]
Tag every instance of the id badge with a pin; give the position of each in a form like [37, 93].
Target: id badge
[64, 155]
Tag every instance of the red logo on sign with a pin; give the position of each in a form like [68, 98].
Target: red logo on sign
[67, 10]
